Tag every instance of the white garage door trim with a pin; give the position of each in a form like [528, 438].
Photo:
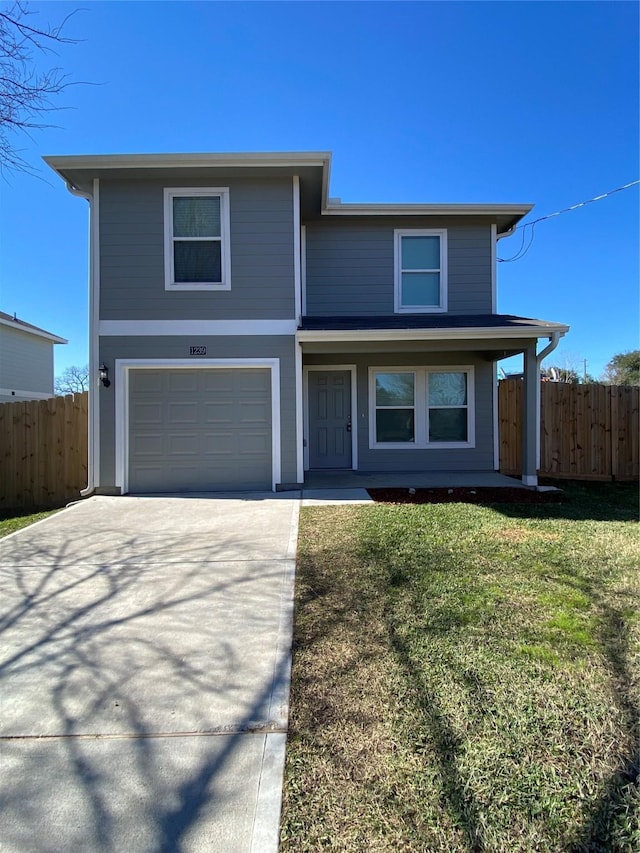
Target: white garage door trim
[123, 367]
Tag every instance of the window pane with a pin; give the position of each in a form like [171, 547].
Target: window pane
[394, 389]
[420, 253]
[394, 425]
[196, 216]
[447, 425]
[197, 262]
[447, 389]
[420, 288]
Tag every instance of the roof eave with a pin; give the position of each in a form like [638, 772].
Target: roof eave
[171, 161]
[466, 333]
[506, 215]
[33, 330]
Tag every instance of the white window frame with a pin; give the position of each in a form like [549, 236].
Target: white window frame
[225, 240]
[421, 409]
[398, 234]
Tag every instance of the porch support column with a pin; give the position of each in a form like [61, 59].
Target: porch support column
[530, 419]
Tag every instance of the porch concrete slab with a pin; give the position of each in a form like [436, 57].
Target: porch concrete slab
[324, 497]
[407, 479]
[162, 794]
[144, 674]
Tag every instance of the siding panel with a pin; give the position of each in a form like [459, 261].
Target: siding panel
[26, 362]
[132, 254]
[350, 267]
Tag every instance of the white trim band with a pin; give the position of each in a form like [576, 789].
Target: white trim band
[150, 328]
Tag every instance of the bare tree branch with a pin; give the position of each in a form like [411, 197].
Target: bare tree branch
[25, 92]
[72, 380]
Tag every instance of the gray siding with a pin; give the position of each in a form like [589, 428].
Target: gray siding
[350, 266]
[26, 363]
[132, 254]
[280, 347]
[479, 458]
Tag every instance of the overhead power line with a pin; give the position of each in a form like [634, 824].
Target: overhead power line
[528, 238]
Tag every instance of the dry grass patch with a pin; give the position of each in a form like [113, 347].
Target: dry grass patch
[459, 689]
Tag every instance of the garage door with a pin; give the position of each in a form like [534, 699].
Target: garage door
[199, 430]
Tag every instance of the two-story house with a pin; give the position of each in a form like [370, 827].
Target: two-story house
[247, 328]
[26, 360]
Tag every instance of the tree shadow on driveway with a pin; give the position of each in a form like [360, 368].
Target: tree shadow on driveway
[138, 688]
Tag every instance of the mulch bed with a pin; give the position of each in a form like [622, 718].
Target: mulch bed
[479, 495]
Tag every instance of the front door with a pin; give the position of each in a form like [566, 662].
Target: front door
[330, 419]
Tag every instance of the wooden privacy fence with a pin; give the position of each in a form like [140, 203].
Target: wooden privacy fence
[587, 432]
[43, 451]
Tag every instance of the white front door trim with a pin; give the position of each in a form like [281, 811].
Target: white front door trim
[122, 372]
[352, 368]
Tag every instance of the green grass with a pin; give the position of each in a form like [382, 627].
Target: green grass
[12, 520]
[466, 678]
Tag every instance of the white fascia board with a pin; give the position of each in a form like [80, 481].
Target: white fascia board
[171, 161]
[150, 328]
[428, 209]
[466, 334]
[30, 330]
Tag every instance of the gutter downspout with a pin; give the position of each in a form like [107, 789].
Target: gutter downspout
[495, 237]
[553, 343]
[93, 355]
[506, 233]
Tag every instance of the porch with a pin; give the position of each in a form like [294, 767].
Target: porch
[345, 479]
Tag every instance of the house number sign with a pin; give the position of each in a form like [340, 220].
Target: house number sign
[197, 350]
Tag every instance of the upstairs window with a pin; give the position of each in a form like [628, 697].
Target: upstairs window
[197, 251]
[420, 271]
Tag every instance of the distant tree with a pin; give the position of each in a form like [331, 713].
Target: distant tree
[72, 380]
[25, 92]
[623, 369]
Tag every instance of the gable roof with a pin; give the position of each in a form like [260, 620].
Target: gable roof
[21, 325]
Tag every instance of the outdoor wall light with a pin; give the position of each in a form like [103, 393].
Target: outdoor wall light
[103, 373]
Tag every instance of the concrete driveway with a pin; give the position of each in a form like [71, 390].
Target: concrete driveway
[144, 674]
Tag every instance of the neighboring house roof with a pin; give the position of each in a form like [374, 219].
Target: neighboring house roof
[312, 167]
[15, 323]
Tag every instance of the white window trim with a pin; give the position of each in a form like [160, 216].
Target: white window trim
[225, 239]
[421, 374]
[398, 234]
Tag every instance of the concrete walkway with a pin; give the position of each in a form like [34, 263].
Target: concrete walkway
[144, 675]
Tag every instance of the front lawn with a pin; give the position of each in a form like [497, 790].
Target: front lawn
[466, 678]
[14, 519]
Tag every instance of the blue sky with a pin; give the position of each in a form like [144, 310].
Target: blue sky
[419, 102]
